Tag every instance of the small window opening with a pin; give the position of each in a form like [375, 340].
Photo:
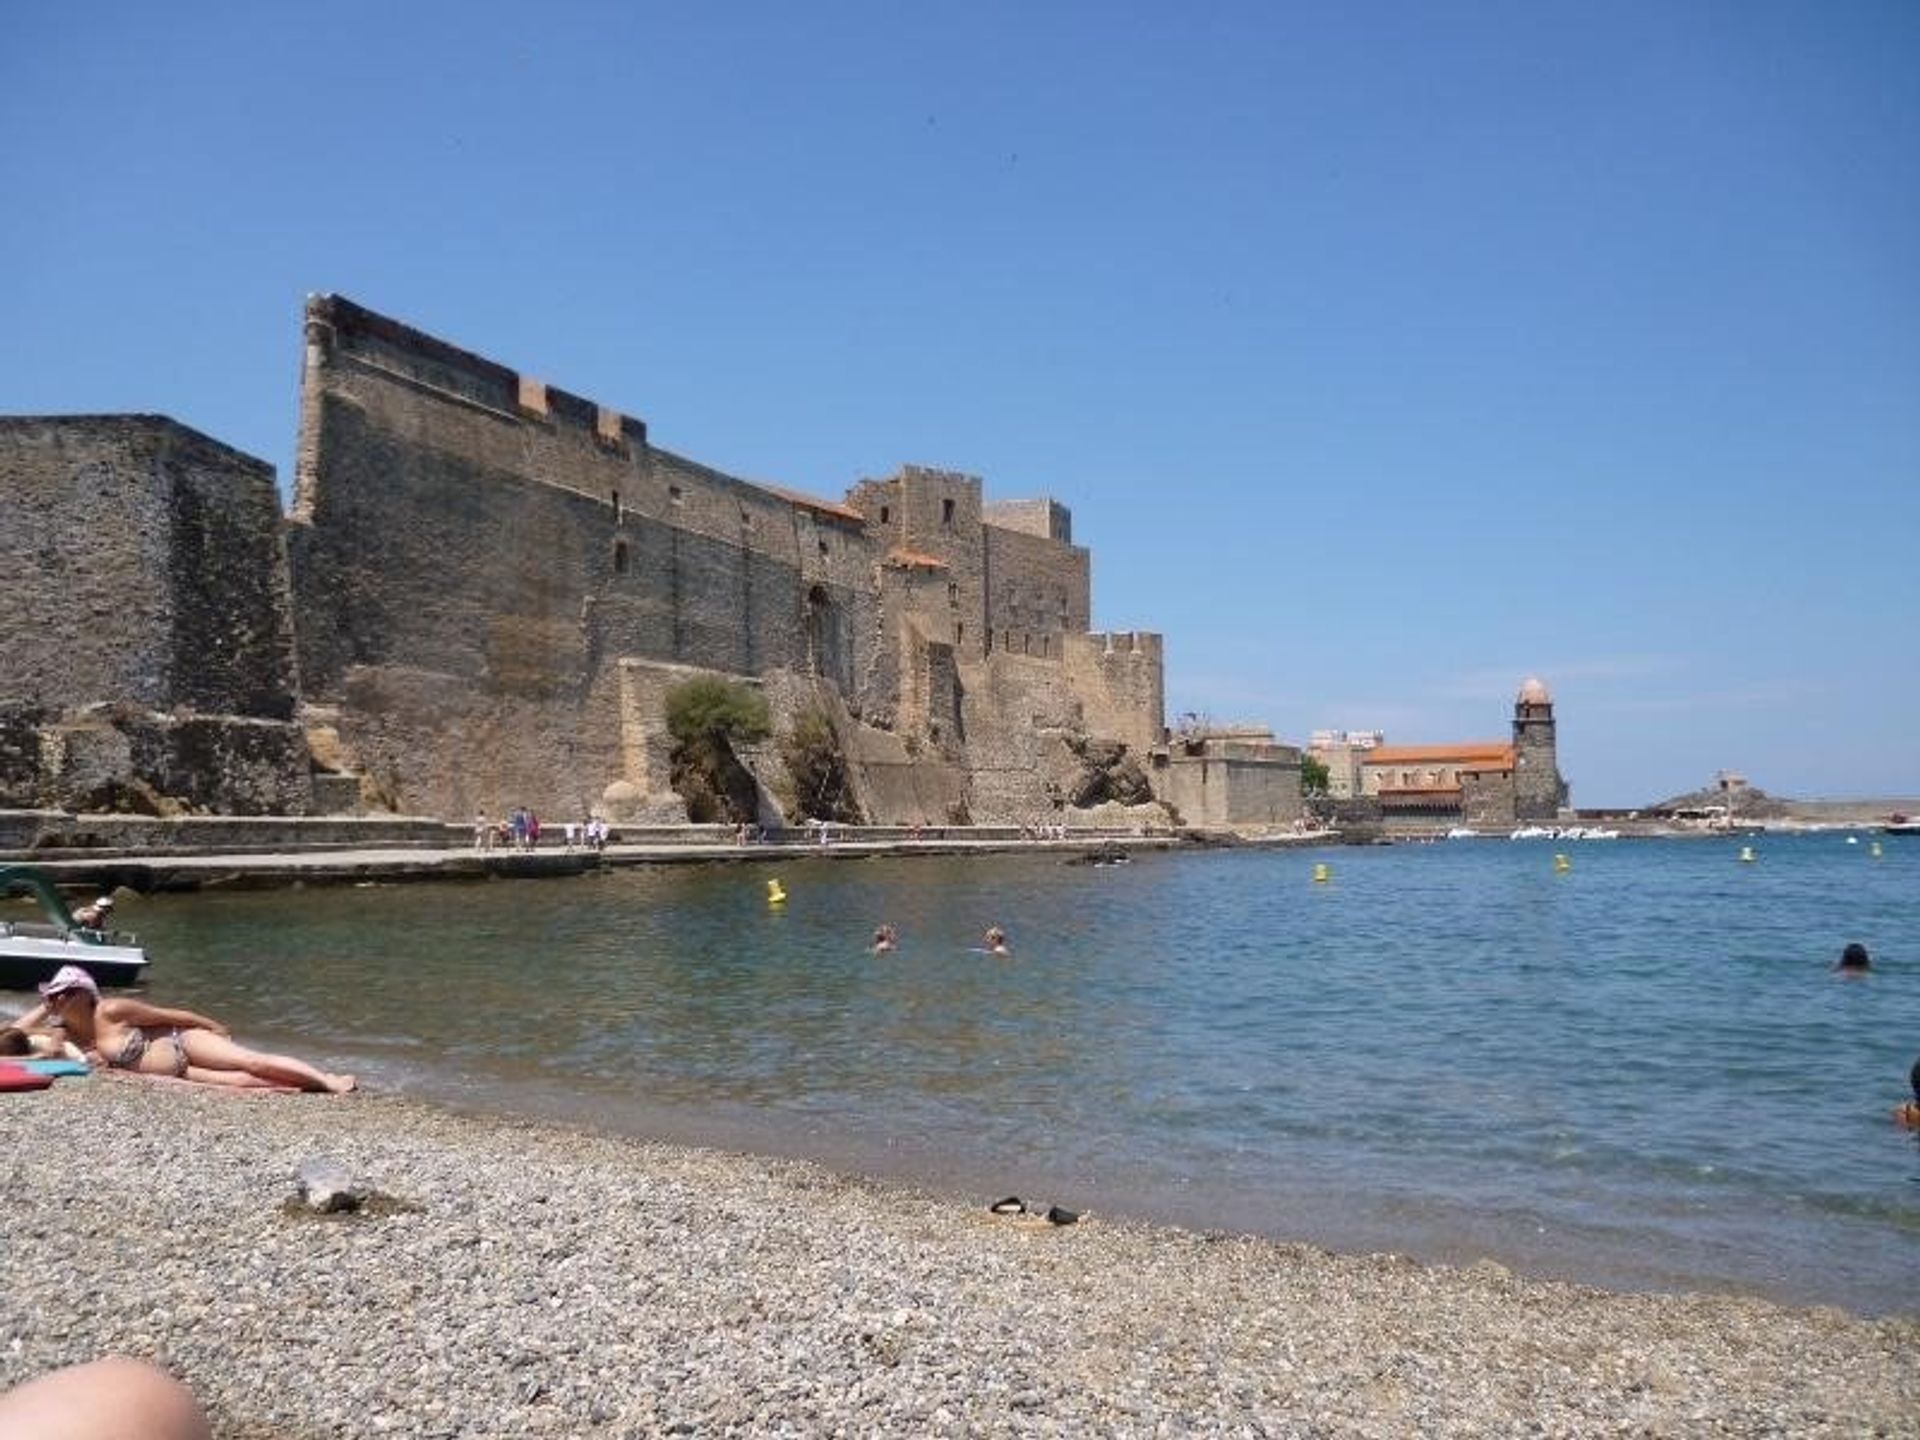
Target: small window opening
[674, 495]
[616, 507]
[823, 547]
[885, 515]
[946, 512]
[619, 557]
[959, 632]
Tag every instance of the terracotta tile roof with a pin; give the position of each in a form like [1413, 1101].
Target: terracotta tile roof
[816, 504]
[1487, 754]
[915, 560]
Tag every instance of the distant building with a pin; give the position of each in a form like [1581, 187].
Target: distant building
[1489, 784]
[1341, 751]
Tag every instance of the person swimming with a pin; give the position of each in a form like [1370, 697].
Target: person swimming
[1854, 959]
[884, 940]
[1908, 1114]
[994, 942]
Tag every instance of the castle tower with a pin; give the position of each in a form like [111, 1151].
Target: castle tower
[1538, 790]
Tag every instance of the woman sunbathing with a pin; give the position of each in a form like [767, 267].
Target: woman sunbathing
[127, 1034]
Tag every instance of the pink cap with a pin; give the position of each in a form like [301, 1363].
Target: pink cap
[70, 977]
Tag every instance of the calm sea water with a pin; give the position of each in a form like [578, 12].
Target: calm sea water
[1640, 1073]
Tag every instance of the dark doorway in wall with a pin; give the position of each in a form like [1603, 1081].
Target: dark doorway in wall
[829, 650]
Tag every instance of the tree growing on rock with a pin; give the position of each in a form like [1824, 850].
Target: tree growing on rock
[821, 789]
[707, 717]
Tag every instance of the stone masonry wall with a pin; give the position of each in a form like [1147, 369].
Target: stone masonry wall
[468, 573]
[1038, 592]
[1120, 679]
[1250, 787]
[150, 650]
[1048, 519]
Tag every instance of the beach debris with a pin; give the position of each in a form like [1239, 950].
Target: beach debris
[1052, 1214]
[327, 1187]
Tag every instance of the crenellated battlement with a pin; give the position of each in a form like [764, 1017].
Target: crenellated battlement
[340, 330]
[1146, 644]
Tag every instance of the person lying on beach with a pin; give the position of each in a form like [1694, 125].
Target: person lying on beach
[1909, 1113]
[36, 1045]
[131, 1035]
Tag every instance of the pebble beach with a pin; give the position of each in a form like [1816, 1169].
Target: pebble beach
[521, 1279]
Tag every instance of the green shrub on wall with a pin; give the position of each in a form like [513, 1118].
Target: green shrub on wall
[821, 790]
[707, 716]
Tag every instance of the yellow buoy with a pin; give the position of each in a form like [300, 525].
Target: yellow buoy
[1322, 873]
[775, 894]
[1561, 865]
[1746, 854]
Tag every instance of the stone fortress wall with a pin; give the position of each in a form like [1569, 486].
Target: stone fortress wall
[487, 585]
[149, 639]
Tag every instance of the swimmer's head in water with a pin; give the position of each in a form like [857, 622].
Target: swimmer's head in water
[1855, 957]
[1914, 1080]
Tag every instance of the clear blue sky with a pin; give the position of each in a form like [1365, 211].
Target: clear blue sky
[1385, 353]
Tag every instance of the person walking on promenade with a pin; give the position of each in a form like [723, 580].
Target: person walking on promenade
[131, 1035]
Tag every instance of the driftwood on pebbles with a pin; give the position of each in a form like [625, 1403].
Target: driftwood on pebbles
[543, 1281]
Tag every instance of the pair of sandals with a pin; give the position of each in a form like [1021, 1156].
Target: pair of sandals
[1053, 1214]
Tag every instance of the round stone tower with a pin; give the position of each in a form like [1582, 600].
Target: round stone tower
[1538, 790]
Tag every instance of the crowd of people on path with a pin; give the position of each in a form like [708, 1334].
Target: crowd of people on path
[521, 831]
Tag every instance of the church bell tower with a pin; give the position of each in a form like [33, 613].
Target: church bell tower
[1538, 791]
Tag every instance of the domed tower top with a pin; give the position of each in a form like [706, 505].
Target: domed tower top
[1538, 788]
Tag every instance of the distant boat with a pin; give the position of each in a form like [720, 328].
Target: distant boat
[1900, 825]
[31, 951]
[1463, 832]
[1533, 832]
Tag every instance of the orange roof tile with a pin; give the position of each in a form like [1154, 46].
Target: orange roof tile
[814, 503]
[915, 560]
[1494, 753]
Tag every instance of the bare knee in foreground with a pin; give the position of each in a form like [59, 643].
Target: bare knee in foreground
[112, 1399]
